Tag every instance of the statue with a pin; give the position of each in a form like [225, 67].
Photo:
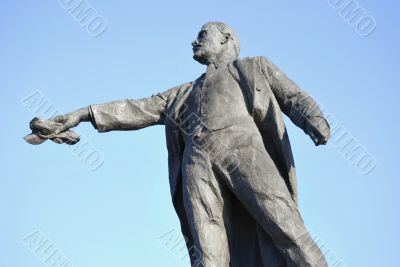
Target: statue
[231, 170]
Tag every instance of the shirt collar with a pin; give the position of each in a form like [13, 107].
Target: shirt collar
[224, 62]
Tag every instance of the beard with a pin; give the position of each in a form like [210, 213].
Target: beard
[202, 56]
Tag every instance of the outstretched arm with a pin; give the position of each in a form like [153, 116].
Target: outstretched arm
[127, 114]
[302, 110]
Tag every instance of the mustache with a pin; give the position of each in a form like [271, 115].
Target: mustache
[196, 46]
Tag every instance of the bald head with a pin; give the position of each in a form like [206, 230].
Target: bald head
[215, 40]
[227, 31]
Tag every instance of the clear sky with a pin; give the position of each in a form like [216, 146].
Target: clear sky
[118, 213]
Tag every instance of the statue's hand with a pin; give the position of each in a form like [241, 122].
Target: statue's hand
[71, 120]
[319, 135]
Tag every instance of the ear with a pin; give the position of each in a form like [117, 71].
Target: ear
[226, 38]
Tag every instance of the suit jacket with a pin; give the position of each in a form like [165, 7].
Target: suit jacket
[268, 91]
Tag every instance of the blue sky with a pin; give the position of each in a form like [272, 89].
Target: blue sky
[114, 215]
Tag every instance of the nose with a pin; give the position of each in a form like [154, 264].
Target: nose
[195, 43]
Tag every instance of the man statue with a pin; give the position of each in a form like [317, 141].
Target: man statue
[231, 169]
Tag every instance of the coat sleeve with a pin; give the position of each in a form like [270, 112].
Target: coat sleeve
[302, 110]
[131, 114]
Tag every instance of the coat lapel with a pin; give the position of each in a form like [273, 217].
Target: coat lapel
[268, 117]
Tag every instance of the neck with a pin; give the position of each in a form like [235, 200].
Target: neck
[222, 60]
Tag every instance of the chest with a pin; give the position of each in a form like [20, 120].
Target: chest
[215, 92]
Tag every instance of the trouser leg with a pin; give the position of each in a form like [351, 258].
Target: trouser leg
[270, 255]
[258, 185]
[205, 207]
[250, 245]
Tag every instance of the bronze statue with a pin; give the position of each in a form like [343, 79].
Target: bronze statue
[231, 169]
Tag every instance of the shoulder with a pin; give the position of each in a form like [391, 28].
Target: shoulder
[256, 59]
[174, 91]
[261, 62]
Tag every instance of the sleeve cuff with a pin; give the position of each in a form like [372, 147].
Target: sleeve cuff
[93, 118]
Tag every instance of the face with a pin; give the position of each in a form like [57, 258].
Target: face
[208, 45]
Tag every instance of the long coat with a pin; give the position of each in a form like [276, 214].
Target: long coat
[268, 92]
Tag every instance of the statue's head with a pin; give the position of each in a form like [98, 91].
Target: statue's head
[215, 40]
